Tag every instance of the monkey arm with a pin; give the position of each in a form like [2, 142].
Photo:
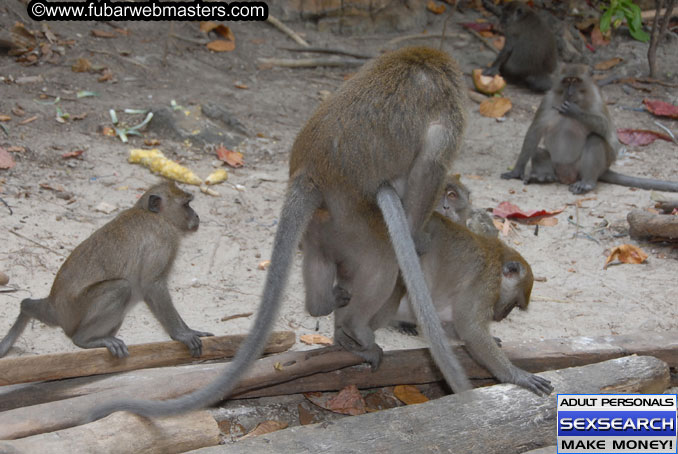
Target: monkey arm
[501, 59]
[160, 302]
[530, 144]
[484, 349]
[595, 122]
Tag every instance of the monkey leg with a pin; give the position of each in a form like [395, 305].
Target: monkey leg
[373, 278]
[542, 168]
[319, 273]
[592, 165]
[156, 295]
[106, 304]
[539, 83]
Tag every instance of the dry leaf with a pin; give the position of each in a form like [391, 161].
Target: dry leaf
[5, 118]
[640, 137]
[313, 339]
[28, 120]
[232, 158]
[241, 86]
[409, 394]
[380, 400]
[597, 37]
[264, 428]
[607, 64]
[82, 65]
[6, 159]
[18, 111]
[72, 154]
[103, 34]
[495, 107]
[263, 265]
[661, 108]
[219, 45]
[626, 253]
[207, 26]
[306, 416]
[16, 149]
[349, 401]
[435, 7]
[225, 32]
[106, 75]
[510, 210]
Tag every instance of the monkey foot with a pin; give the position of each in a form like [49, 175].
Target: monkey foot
[581, 188]
[191, 338]
[407, 328]
[538, 385]
[371, 354]
[512, 175]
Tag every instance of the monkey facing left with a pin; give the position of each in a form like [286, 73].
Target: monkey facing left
[125, 261]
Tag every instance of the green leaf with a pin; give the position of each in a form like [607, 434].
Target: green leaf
[639, 35]
[605, 20]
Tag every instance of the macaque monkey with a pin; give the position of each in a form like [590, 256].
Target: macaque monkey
[125, 261]
[456, 206]
[374, 156]
[579, 139]
[529, 55]
[474, 279]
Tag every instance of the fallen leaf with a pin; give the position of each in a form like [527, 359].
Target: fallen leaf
[409, 394]
[16, 149]
[5, 118]
[225, 32]
[379, 400]
[435, 7]
[348, 401]
[509, 210]
[626, 253]
[106, 75]
[207, 26]
[545, 222]
[18, 111]
[478, 26]
[241, 86]
[315, 339]
[108, 131]
[72, 154]
[22, 38]
[306, 416]
[232, 158]
[661, 108]
[265, 428]
[6, 159]
[28, 120]
[607, 64]
[597, 37]
[219, 45]
[82, 65]
[264, 265]
[103, 34]
[640, 137]
[495, 107]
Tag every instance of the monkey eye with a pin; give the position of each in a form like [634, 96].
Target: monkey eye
[452, 194]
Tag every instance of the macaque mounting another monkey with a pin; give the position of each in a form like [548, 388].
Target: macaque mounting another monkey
[126, 260]
[474, 279]
[374, 156]
[530, 55]
[579, 139]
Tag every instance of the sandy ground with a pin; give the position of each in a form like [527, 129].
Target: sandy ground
[216, 273]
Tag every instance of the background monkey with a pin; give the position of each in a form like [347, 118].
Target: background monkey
[375, 156]
[126, 260]
[456, 206]
[474, 279]
[580, 140]
[529, 55]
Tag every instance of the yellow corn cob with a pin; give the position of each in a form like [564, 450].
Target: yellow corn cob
[217, 176]
[157, 162]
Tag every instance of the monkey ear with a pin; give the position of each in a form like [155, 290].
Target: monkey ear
[154, 203]
[511, 269]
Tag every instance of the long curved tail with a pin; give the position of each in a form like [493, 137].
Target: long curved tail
[427, 318]
[301, 201]
[638, 182]
[14, 332]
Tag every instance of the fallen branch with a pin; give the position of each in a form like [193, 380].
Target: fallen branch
[400, 39]
[325, 50]
[655, 226]
[498, 419]
[483, 40]
[124, 433]
[98, 361]
[286, 30]
[316, 370]
[308, 62]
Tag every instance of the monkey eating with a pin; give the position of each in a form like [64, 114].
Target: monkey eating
[579, 139]
[123, 262]
[456, 206]
[474, 279]
[374, 156]
[530, 55]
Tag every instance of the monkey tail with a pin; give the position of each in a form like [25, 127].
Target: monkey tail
[16, 329]
[427, 318]
[638, 182]
[300, 203]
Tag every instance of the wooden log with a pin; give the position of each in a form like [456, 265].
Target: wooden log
[498, 419]
[98, 361]
[316, 370]
[125, 433]
[654, 226]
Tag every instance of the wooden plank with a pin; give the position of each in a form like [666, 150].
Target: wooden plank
[498, 419]
[98, 361]
[655, 226]
[125, 433]
[302, 372]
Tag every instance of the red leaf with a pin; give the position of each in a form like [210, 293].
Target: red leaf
[6, 159]
[661, 108]
[509, 210]
[232, 158]
[640, 137]
[72, 154]
[478, 26]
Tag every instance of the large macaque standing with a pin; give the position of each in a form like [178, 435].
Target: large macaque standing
[530, 54]
[374, 156]
[474, 279]
[125, 261]
[578, 136]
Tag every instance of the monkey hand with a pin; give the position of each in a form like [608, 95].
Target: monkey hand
[341, 296]
[569, 109]
[115, 346]
[491, 71]
[514, 174]
[538, 385]
[191, 338]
